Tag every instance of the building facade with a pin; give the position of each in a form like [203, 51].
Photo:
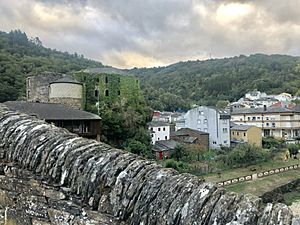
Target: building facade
[242, 134]
[278, 122]
[211, 120]
[159, 131]
[191, 137]
[51, 87]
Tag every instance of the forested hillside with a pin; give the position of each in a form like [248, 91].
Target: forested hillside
[20, 56]
[206, 82]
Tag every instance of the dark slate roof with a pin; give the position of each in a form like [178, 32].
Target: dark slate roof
[50, 111]
[184, 131]
[158, 124]
[165, 145]
[261, 110]
[66, 79]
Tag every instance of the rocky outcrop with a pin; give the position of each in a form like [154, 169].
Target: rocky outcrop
[95, 177]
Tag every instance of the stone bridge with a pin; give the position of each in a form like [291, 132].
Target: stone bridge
[50, 176]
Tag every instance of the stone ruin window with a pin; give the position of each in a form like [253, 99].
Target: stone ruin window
[119, 93]
[106, 93]
[106, 80]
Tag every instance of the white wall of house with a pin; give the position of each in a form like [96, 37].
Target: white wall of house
[208, 120]
[159, 133]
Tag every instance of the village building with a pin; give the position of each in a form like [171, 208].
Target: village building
[191, 137]
[49, 87]
[210, 120]
[159, 131]
[279, 122]
[245, 134]
[164, 149]
[83, 123]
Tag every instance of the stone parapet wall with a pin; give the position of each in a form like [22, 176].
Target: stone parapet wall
[97, 177]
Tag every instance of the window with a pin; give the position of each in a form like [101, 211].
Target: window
[166, 137]
[106, 80]
[199, 121]
[258, 118]
[225, 130]
[152, 135]
[205, 121]
[232, 132]
[225, 141]
[158, 139]
[244, 134]
[201, 113]
[241, 119]
[151, 128]
[253, 118]
[249, 118]
[214, 142]
[96, 93]
[98, 79]
[273, 125]
[267, 118]
[267, 124]
[164, 129]
[28, 81]
[119, 92]
[238, 133]
[106, 92]
[28, 93]
[205, 129]
[159, 129]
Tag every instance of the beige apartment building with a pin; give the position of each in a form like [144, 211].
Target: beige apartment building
[278, 122]
[240, 134]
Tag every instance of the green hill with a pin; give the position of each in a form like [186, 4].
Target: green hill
[21, 56]
[205, 82]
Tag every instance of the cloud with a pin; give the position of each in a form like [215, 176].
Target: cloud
[154, 32]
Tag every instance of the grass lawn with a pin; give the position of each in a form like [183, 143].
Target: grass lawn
[260, 185]
[233, 173]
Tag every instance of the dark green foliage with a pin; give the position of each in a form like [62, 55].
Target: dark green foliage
[293, 149]
[180, 152]
[271, 142]
[124, 114]
[21, 57]
[245, 155]
[137, 147]
[210, 81]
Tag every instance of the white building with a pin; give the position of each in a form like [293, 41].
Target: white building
[214, 121]
[159, 131]
[254, 95]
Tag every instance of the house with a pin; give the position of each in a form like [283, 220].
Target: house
[168, 117]
[210, 120]
[241, 134]
[164, 149]
[254, 95]
[83, 123]
[279, 122]
[159, 131]
[191, 137]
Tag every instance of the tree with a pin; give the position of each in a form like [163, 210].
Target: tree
[180, 152]
[136, 147]
[294, 150]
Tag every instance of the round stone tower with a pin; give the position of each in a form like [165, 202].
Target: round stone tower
[66, 91]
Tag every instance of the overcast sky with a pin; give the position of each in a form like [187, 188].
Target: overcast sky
[146, 33]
